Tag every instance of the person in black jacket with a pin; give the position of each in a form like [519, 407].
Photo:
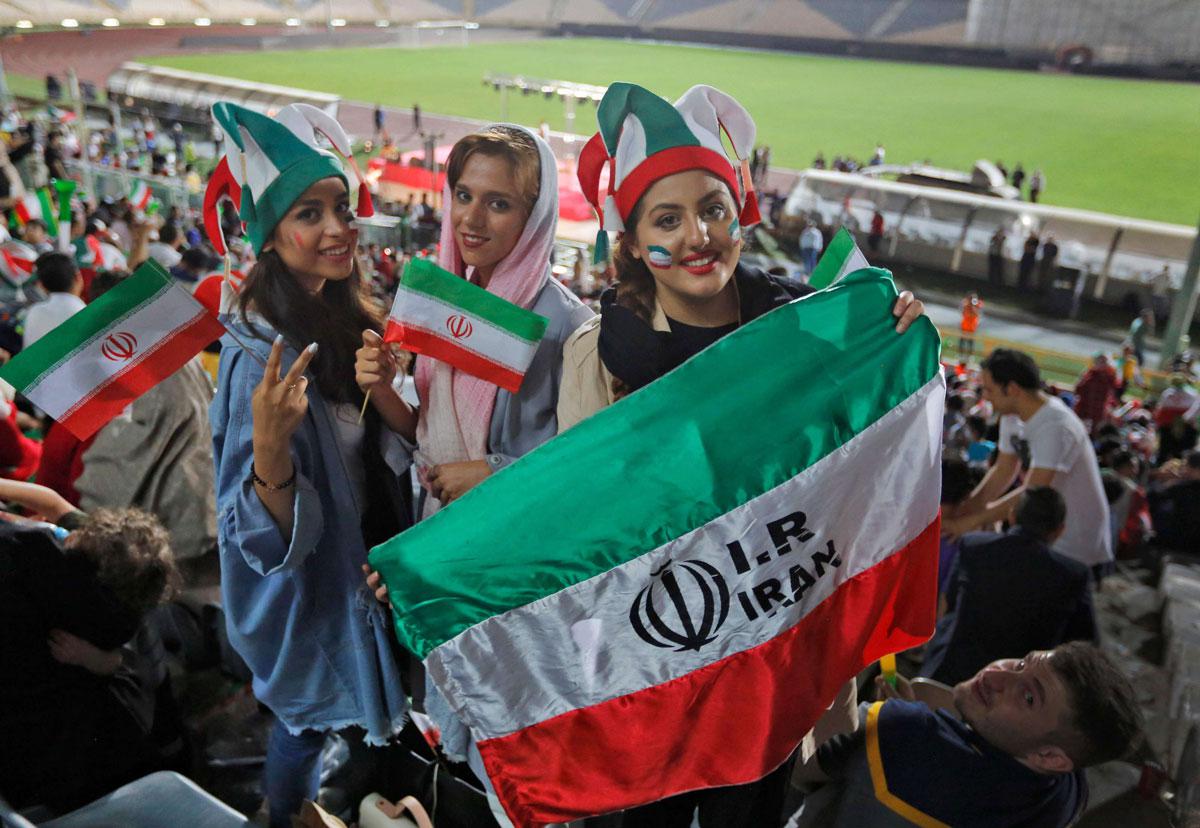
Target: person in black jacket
[1175, 504]
[1011, 593]
[70, 729]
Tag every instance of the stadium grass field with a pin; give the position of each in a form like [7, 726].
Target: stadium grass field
[1118, 146]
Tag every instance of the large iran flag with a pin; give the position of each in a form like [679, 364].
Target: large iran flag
[88, 369]
[442, 316]
[667, 596]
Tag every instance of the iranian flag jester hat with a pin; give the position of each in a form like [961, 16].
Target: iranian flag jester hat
[274, 160]
[643, 138]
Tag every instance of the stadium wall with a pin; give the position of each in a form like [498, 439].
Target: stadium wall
[882, 50]
[1121, 32]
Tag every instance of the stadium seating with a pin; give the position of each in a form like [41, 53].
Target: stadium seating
[697, 14]
[525, 12]
[924, 15]
[790, 17]
[913, 21]
[856, 17]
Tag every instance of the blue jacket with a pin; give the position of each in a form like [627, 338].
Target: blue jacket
[298, 609]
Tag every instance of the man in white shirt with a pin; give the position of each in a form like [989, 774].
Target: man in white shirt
[59, 276]
[165, 250]
[1039, 433]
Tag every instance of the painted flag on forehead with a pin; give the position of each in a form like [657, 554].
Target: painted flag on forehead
[442, 316]
[140, 195]
[84, 372]
[840, 258]
[667, 596]
[38, 205]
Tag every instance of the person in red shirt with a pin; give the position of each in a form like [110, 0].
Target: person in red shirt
[1096, 393]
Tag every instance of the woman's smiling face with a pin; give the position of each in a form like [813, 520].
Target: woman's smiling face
[316, 238]
[488, 212]
[688, 235]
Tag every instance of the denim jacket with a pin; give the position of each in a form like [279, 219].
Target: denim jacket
[298, 609]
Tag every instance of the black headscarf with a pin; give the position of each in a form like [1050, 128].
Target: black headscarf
[636, 354]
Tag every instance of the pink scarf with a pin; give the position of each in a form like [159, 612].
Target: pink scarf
[456, 408]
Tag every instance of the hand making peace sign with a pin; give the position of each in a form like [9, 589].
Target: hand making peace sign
[279, 402]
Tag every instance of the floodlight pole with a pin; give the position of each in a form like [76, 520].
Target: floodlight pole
[1184, 307]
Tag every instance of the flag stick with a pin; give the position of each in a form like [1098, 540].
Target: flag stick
[228, 330]
[888, 665]
[362, 411]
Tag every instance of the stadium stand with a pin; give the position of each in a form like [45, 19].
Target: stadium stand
[696, 9]
[696, 14]
[857, 18]
[524, 12]
[589, 13]
[908, 21]
[776, 16]
[927, 16]
[1148, 31]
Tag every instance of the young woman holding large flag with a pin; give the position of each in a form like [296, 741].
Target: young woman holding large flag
[680, 208]
[500, 210]
[303, 487]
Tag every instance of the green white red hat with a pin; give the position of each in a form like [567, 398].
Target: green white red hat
[274, 160]
[643, 138]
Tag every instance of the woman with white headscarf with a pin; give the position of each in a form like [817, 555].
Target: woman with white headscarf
[500, 210]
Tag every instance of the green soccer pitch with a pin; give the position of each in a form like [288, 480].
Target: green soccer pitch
[1118, 146]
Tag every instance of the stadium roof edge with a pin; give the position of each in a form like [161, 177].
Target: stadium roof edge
[1181, 231]
[131, 67]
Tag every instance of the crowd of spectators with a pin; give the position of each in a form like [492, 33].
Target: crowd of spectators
[1063, 480]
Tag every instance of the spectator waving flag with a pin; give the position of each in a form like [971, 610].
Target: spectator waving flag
[438, 314]
[37, 205]
[840, 258]
[16, 262]
[140, 195]
[84, 372]
[678, 616]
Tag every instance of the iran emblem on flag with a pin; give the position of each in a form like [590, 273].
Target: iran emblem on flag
[88, 369]
[443, 316]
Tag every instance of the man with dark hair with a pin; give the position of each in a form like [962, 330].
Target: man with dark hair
[1011, 593]
[1039, 432]
[1006, 747]
[34, 234]
[59, 276]
[193, 265]
[165, 250]
[72, 703]
[1175, 503]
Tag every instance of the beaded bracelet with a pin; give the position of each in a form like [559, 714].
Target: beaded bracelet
[272, 487]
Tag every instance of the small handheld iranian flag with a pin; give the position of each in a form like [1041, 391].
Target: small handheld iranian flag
[84, 372]
[140, 195]
[680, 615]
[440, 315]
[16, 262]
[38, 205]
[840, 258]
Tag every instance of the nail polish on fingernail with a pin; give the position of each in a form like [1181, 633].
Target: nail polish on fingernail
[312, 349]
[279, 339]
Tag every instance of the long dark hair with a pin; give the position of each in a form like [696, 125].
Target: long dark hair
[635, 284]
[334, 318]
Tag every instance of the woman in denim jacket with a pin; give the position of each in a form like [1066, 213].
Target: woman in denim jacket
[303, 487]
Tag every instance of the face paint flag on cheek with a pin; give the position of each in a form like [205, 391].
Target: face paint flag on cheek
[659, 256]
[735, 230]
